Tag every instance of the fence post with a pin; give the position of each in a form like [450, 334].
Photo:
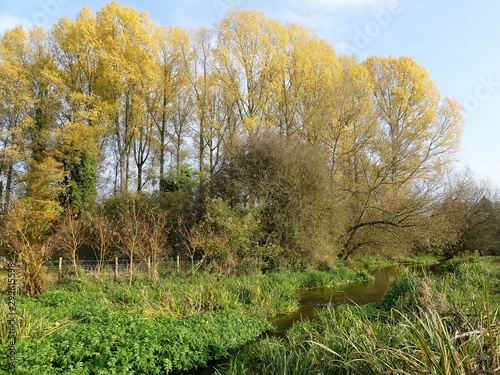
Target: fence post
[12, 313]
[149, 266]
[116, 268]
[178, 264]
[59, 269]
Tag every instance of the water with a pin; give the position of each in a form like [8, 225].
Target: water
[313, 300]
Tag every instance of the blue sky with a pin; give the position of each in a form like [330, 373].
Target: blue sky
[457, 41]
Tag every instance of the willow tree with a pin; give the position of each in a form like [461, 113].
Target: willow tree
[416, 135]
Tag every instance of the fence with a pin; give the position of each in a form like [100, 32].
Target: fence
[119, 266]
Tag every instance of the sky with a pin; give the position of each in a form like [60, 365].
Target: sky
[457, 41]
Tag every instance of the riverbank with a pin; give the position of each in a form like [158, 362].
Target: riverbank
[448, 324]
[178, 323]
[374, 262]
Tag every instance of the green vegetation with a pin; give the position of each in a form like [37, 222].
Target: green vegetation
[253, 149]
[374, 261]
[174, 323]
[311, 158]
[439, 325]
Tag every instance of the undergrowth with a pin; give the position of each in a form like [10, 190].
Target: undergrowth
[88, 326]
[425, 325]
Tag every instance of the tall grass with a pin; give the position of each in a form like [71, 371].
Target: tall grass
[424, 325]
[27, 326]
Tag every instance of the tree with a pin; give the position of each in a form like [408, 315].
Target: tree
[468, 212]
[141, 231]
[156, 239]
[126, 73]
[223, 238]
[131, 235]
[102, 234]
[214, 115]
[305, 94]
[416, 136]
[76, 54]
[248, 65]
[483, 229]
[287, 182]
[169, 103]
[16, 100]
[31, 122]
[70, 234]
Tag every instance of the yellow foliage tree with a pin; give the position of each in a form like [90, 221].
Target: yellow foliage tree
[248, 64]
[416, 135]
[16, 99]
[126, 74]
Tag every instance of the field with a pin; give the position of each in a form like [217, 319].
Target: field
[447, 324]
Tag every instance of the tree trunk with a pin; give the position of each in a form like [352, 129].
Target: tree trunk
[8, 188]
[131, 268]
[139, 178]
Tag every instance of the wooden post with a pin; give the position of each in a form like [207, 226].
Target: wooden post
[178, 264]
[149, 266]
[116, 268]
[131, 269]
[59, 269]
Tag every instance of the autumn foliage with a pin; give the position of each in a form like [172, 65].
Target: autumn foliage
[111, 104]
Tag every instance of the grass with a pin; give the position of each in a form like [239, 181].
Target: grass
[425, 325]
[87, 326]
[370, 262]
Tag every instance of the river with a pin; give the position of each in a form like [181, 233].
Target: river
[312, 300]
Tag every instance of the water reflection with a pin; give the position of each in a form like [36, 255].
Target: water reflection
[316, 299]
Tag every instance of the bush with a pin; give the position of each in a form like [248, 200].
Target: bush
[288, 184]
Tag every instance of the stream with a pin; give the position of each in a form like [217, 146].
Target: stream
[312, 300]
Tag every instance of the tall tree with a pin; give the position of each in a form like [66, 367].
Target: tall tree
[42, 180]
[248, 64]
[126, 72]
[214, 112]
[416, 136]
[169, 102]
[16, 100]
[76, 52]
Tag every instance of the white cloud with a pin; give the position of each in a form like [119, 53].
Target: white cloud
[8, 22]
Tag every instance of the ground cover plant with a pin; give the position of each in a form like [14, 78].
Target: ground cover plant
[439, 325]
[88, 326]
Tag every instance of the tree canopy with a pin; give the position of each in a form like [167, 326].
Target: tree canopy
[111, 103]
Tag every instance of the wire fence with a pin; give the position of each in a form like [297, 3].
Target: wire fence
[119, 266]
[116, 266]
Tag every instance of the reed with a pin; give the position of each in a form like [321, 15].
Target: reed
[425, 325]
